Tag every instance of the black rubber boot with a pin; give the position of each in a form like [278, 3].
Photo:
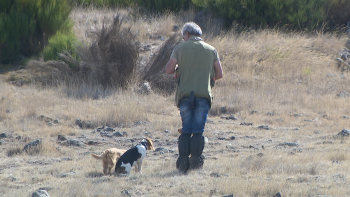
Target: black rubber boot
[182, 162]
[196, 150]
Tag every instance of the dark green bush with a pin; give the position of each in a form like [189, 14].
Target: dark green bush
[104, 3]
[262, 13]
[338, 13]
[164, 5]
[27, 25]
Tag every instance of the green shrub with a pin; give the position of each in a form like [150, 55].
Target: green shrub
[105, 3]
[263, 13]
[27, 25]
[61, 41]
[338, 13]
[164, 5]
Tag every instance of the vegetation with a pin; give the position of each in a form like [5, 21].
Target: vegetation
[58, 43]
[296, 14]
[27, 25]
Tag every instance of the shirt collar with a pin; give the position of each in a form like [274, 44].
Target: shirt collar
[196, 38]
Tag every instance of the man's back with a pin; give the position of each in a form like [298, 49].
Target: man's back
[195, 59]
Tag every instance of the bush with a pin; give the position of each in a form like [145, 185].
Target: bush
[111, 59]
[262, 13]
[338, 14]
[27, 25]
[164, 5]
[61, 41]
[105, 3]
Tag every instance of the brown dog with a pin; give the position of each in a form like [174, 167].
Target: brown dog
[109, 158]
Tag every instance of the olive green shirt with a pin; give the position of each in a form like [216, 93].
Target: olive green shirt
[196, 68]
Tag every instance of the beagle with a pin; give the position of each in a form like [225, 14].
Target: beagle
[133, 156]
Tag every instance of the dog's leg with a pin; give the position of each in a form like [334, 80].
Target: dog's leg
[105, 168]
[139, 164]
[109, 169]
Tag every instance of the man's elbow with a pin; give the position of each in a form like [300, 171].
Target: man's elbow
[169, 71]
[219, 76]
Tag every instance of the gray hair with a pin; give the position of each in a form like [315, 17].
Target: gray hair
[192, 29]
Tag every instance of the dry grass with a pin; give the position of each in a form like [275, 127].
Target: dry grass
[289, 80]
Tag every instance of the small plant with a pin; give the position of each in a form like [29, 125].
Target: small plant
[13, 78]
[14, 151]
[61, 41]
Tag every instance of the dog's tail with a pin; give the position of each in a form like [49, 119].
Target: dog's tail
[96, 156]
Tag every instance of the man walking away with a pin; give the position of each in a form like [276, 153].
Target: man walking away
[197, 66]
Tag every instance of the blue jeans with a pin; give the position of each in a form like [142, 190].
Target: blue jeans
[193, 121]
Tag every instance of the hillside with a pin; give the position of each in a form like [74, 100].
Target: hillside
[276, 125]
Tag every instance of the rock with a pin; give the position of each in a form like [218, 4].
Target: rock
[344, 133]
[343, 94]
[231, 117]
[108, 129]
[67, 174]
[92, 143]
[223, 110]
[61, 138]
[74, 143]
[12, 178]
[288, 144]
[31, 145]
[46, 188]
[264, 127]
[253, 112]
[3, 135]
[106, 134]
[40, 193]
[145, 88]
[161, 149]
[84, 124]
[118, 134]
[215, 174]
[247, 124]
[126, 193]
[277, 195]
[270, 113]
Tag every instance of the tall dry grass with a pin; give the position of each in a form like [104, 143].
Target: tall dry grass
[286, 80]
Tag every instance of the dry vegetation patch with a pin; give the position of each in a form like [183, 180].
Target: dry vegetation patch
[285, 82]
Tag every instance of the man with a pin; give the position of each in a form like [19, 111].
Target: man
[197, 66]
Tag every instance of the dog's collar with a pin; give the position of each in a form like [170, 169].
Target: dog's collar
[144, 143]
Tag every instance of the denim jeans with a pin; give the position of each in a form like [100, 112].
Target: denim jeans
[193, 121]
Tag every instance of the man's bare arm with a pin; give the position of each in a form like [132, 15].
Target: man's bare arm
[170, 66]
[218, 70]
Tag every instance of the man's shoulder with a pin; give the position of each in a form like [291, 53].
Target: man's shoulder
[207, 46]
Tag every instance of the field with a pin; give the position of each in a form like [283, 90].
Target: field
[274, 127]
